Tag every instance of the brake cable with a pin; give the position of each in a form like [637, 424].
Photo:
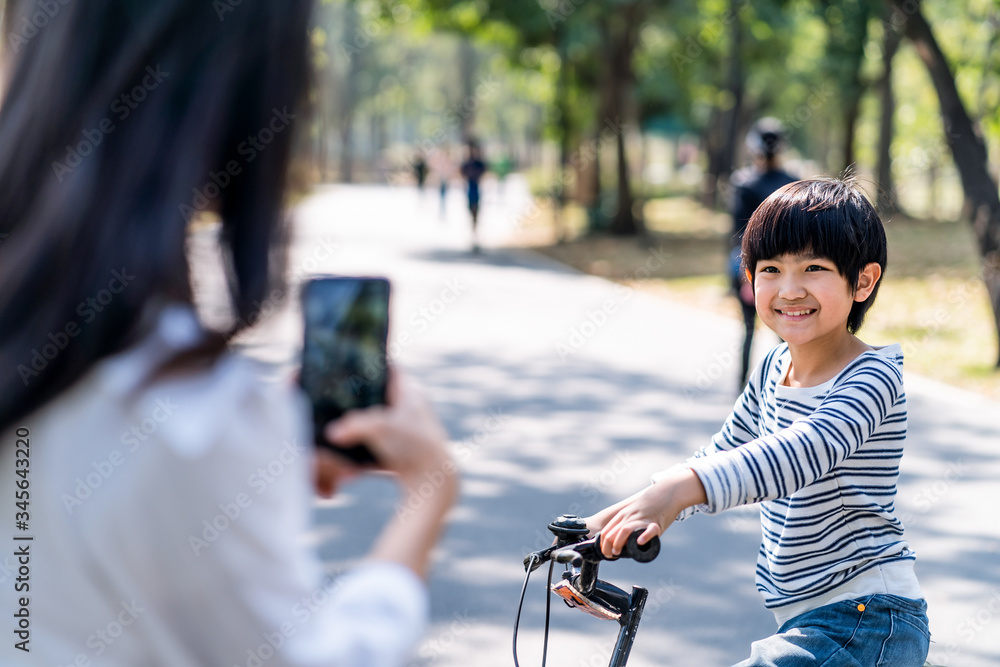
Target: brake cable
[571, 548]
[548, 606]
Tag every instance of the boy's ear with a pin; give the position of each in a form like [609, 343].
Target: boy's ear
[749, 276]
[867, 280]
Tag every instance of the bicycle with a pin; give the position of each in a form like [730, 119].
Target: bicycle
[580, 586]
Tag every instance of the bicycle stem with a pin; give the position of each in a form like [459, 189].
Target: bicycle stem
[583, 589]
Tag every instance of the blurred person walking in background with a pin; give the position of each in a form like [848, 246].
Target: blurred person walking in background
[472, 170]
[167, 488]
[751, 186]
[420, 169]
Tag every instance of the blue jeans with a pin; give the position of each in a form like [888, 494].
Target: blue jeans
[874, 631]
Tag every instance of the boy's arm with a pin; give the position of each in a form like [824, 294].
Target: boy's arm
[777, 465]
[677, 488]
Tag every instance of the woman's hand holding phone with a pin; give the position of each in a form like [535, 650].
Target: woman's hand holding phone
[409, 441]
[366, 418]
[405, 435]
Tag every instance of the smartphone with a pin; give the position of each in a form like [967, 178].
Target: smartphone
[344, 365]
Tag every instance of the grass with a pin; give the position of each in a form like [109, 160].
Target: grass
[931, 300]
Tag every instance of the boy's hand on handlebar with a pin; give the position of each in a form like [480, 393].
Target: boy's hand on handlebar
[647, 511]
[596, 523]
[652, 510]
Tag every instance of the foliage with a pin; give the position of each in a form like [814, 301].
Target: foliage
[796, 57]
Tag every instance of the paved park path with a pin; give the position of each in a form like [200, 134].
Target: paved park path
[563, 392]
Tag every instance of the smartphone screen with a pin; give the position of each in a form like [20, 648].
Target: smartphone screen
[344, 351]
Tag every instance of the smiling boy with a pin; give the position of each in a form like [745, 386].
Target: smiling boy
[815, 438]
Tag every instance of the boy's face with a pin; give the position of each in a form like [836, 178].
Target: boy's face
[804, 298]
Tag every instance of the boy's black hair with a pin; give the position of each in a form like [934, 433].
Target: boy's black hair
[831, 218]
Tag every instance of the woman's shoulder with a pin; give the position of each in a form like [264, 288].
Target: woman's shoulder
[231, 401]
[234, 397]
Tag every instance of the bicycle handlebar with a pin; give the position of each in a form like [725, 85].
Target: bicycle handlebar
[571, 547]
[590, 550]
[582, 589]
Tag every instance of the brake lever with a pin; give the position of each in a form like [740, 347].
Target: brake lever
[535, 559]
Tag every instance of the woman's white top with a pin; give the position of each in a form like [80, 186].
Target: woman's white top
[167, 525]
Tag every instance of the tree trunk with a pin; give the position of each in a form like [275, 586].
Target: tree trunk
[854, 85]
[888, 202]
[851, 113]
[968, 151]
[713, 151]
[731, 126]
[595, 213]
[597, 221]
[624, 37]
[564, 130]
[624, 223]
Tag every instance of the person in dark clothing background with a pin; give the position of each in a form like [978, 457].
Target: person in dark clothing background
[751, 186]
[420, 170]
[472, 170]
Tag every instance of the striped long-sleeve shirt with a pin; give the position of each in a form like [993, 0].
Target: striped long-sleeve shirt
[823, 462]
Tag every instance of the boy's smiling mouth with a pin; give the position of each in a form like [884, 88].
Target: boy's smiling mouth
[797, 312]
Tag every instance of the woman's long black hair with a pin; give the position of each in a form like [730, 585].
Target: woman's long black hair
[119, 119]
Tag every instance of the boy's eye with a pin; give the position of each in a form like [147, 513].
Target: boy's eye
[815, 267]
[768, 269]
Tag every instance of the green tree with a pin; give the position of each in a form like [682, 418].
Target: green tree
[967, 147]
[847, 29]
[609, 29]
[887, 199]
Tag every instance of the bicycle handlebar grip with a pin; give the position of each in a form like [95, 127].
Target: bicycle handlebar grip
[642, 553]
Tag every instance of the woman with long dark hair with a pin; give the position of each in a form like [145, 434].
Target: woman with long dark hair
[164, 487]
